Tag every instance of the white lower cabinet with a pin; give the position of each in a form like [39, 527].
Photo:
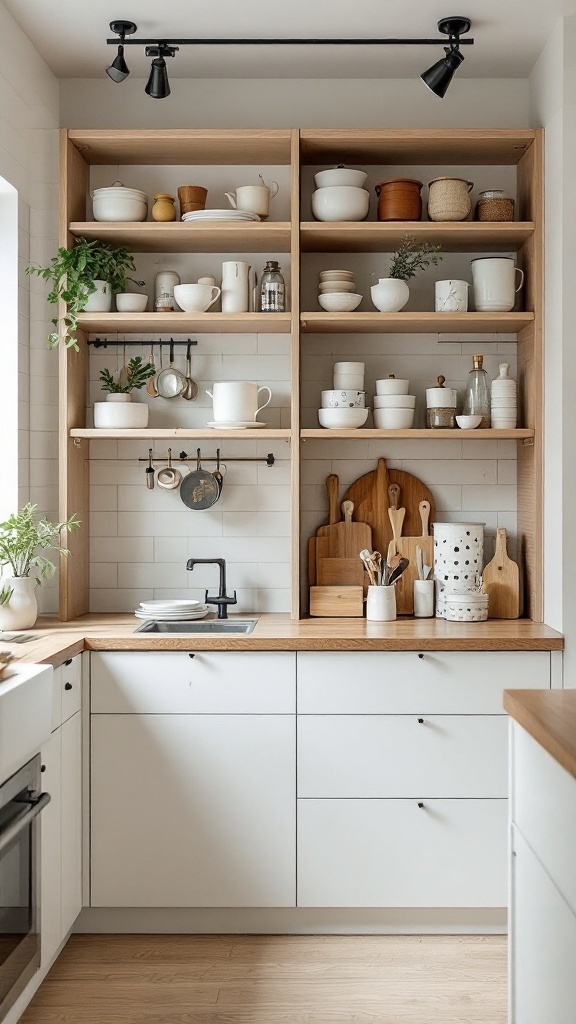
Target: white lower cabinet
[193, 810]
[71, 804]
[394, 853]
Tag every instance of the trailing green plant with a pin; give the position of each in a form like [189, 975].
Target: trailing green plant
[72, 273]
[412, 256]
[23, 538]
[137, 374]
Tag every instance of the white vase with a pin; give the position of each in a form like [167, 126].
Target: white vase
[390, 294]
[99, 301]
[119, 412]
[235, 287]
[21, 611]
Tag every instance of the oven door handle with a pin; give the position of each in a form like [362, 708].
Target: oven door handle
[23, 820]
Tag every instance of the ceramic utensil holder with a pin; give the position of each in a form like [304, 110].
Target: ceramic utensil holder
[423, 599]
[381, 604]
[458, 559]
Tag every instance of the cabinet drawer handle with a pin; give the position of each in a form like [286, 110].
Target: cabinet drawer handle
[420, 721]
[42, 767]
[67, 686]
[191, 655]
[421, 656]
[420, 804]
[69, 662]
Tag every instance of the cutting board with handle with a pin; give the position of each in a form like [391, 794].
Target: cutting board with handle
[407, 547]
[371, 502]
[332, 484]
[500, 580]
[342, 542]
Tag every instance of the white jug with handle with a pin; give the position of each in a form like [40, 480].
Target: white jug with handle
[254, 198]
[236, 401]
[494, 283]
[235, 292]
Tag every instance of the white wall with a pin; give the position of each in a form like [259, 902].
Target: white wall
[29, 119]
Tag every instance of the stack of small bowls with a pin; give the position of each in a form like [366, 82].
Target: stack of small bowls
[393, 406]
[343, 407]
[337, 291]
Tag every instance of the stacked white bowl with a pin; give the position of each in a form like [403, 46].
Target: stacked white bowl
[343, 407]
[118, 203]
[337, 291]
[504, 400]
[339, 195]
[393, 406]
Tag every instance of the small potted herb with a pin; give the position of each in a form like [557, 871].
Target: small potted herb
[392, 293]
[85, 277]
[117, 412]
[23, 538]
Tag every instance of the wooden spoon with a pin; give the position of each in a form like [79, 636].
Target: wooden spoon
[151, 385]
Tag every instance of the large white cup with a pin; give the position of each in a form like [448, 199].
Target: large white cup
[451, 296]
[495, 284]
[196, 298]
[236, 401]
[253, 198]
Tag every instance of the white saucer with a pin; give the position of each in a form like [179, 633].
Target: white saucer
[170, 606]
[175, 616]
[236, 425]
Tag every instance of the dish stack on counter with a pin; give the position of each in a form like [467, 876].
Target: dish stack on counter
[337, 291]
[172, 611]
[393, 406]
[343, 407]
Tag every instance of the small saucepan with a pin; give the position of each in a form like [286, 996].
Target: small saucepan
[200, 489]
[169, 478]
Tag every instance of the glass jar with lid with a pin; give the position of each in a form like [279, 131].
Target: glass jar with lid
[495, 205]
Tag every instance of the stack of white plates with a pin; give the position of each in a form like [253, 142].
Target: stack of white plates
[172, 611]
[220, 215]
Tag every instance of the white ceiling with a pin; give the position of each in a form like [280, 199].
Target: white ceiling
[71, 34]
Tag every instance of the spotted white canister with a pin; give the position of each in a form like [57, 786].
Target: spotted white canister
[458, 560]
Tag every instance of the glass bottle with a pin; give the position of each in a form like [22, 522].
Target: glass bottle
[272, 289]
[477, 395]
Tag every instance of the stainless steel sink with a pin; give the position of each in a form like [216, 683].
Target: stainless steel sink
[217, 626]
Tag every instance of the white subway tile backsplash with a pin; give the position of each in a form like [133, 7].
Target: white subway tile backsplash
[493, 499]
[273, 524]
[133, 575]
[273, 575]
[170, 549]
[103, 498]
[170, 524]
[103, 575]
[114, 600]
[438, 471]
[240, 524]
[121, 549]
[104, 524]
[507, 472]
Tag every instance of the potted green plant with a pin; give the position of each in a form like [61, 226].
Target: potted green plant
[392, 293]
[23, 538]
[117, 412]
[85, 278]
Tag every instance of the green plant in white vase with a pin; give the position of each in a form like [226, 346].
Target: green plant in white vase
[391, 293]
[114, 413]
[23, 539]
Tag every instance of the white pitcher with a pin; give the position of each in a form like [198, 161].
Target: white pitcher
[236, 401]
[254, 198]
[235, 293]
[494, 283]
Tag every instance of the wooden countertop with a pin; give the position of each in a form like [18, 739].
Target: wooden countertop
[57, 641]
[550, 718]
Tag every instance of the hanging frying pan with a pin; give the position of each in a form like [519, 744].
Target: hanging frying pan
[199, 490]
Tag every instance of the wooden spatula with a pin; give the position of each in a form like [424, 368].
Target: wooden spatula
[500, 580]
[408, 547]
[395, 514]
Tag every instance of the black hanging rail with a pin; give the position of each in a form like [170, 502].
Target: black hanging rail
[184, 457]
[105, 342]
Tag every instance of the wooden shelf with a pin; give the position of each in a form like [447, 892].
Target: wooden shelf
[422, 434]
[415, 146]
[386, 236]
[183, 146]
[182, 323]
[414, 323]
[213, 236]
[201, 434]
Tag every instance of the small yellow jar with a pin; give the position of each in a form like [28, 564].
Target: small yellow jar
[163, 209]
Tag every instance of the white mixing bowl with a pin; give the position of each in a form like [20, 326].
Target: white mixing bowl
[340, 202]
[342, 419]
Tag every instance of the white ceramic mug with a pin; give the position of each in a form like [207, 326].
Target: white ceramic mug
[237, 401]
[253, 198]
[451, 296]
[495, 284]
[235, 286]
[381, 604]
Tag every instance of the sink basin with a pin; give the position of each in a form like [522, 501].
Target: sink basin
[25, 714]
[218, 626]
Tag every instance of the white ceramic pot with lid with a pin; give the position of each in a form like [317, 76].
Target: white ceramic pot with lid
[340, 175]
[118, 203]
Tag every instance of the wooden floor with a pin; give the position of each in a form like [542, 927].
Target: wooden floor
[272, 979]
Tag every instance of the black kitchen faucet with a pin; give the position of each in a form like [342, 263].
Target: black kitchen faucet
[222, 600]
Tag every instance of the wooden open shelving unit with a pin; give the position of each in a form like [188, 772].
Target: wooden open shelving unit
[521, 149]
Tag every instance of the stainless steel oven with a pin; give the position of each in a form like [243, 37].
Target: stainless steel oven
[20, 804]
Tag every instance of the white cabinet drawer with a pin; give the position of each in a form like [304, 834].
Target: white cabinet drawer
[67, 692]
[392, 853]
[402, 756]
[172, 682]
[408, 682]
[544, 810]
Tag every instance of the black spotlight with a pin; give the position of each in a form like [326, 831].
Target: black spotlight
[119, 69]
[158, 86]
[439, 76]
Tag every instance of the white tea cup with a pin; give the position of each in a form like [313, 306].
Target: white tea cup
[253, 198]
[237, 401]
[451, 296]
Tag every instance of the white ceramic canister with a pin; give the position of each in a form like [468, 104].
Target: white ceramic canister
[451, 296]
[424, 599]
[237, 401]
[494, 283]
[235, 287]
[164, 290]
[381, 604]
[441, 406]
[99, 301]
[458, 559]
[466, 607]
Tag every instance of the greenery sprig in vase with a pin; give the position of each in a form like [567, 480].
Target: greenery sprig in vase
[72, 273]
[137, 374]
[412, 256]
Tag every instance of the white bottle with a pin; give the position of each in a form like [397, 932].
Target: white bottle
[164, 290]
[504, 400]
[235, 287]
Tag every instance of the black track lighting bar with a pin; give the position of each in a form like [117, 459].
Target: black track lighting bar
[160, 41]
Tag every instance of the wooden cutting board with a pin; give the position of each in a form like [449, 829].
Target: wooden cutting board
[341, 572]
[332, 485]
[407, 547]
[370, 496]
[337, 551]
[500, 580]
